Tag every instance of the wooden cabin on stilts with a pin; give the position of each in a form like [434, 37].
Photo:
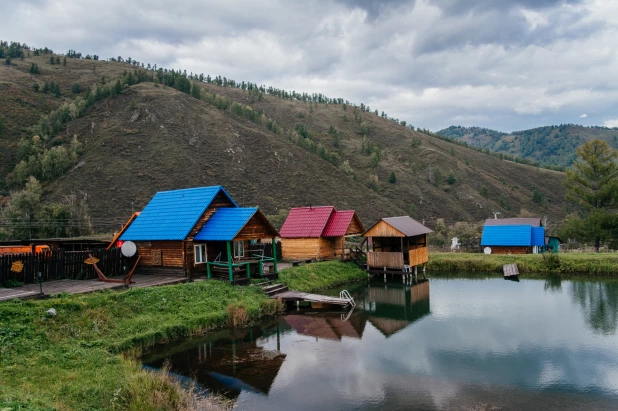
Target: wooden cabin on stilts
[397, 246]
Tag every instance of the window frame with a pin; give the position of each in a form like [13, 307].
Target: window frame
[200, 250]
[237, 243]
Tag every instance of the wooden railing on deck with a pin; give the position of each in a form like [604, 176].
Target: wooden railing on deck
[418, 256]
[383, 259]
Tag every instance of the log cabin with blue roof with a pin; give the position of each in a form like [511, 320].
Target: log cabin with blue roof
[201, 231]
[513, 236]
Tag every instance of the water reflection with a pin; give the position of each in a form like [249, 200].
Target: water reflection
[599, 301]
[553, 284]
[482, 343]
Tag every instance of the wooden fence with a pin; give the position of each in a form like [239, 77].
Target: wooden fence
[61, 264]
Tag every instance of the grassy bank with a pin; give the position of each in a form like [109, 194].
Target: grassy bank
[320, 276]
[562, 264]
[74, 360]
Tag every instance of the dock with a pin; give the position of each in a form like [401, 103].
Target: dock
[510, 270]
[279, 291]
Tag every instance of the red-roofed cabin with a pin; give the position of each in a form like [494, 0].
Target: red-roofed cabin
[317, 232]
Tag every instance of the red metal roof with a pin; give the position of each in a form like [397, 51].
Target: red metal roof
[338, 223]
[303, 222]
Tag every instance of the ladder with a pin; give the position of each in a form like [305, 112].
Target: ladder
[346, 296]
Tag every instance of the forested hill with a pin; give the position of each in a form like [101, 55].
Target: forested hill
[113, 133]
[551, 145]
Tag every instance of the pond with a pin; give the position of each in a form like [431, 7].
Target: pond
[449, 343]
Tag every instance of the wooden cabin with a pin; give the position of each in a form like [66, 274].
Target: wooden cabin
[318, 233]
[397, 243]
[201, 231]
[513, 236]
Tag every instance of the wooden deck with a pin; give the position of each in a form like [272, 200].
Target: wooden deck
[292, 296]
[85, 286]
[510, 270]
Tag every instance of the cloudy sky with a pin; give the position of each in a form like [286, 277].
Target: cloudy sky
[503, 64]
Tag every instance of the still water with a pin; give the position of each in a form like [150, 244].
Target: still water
[450, 343]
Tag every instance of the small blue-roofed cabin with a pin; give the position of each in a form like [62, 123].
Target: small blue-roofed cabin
[200, 231]
[513, 236]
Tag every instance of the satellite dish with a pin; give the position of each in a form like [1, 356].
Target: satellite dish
[128, 249]
[486, 250]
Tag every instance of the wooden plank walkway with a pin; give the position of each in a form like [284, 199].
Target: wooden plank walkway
[85, 286]
[510, 270]
[292, 295]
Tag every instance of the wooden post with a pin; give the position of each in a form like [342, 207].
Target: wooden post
[275, 256]
[208, 270]
[229, 261]
[248, 270]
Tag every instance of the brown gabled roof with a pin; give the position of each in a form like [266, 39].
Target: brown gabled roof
[534, 222]
[404, 224]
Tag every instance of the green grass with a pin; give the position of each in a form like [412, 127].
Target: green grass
[74, 360]
[320, 276]
[603, 264]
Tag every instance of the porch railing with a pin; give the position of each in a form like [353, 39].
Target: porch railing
[384, 259]
[247, 264]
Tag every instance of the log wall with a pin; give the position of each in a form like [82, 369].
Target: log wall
[511, 250]
[170, 252]
[310, 248]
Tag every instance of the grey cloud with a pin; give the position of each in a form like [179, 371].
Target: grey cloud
[431, 63]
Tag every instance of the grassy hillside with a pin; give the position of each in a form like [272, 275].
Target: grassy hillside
[22, 107]
[152, 137]
[553, 145]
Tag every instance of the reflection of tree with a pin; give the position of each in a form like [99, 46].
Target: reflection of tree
[599, 300]
[553, 284]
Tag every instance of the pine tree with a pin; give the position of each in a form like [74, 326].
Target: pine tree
[392, 178]
[592, 183]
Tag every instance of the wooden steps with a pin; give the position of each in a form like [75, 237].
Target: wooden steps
[275, 289]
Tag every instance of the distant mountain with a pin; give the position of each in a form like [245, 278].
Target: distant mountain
[552, 145]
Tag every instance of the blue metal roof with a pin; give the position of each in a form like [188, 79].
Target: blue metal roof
[538, 236]
[507, 235]
[171, 215]
[225, 224]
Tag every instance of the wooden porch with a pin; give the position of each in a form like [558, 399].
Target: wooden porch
[397, 260]
[32, 291]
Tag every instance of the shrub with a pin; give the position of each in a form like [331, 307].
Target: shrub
[483, 191]
[76, 88]
[13, 284]
[237, 315]
[392, 178]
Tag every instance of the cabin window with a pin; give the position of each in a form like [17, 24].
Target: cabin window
[200, 253]
[239, 249]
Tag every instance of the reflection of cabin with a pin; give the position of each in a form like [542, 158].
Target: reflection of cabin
[392, 308]
[327, 326]
[229, 361]
[196, 228]
[513, 236]
[317, 232]
[396, 242]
